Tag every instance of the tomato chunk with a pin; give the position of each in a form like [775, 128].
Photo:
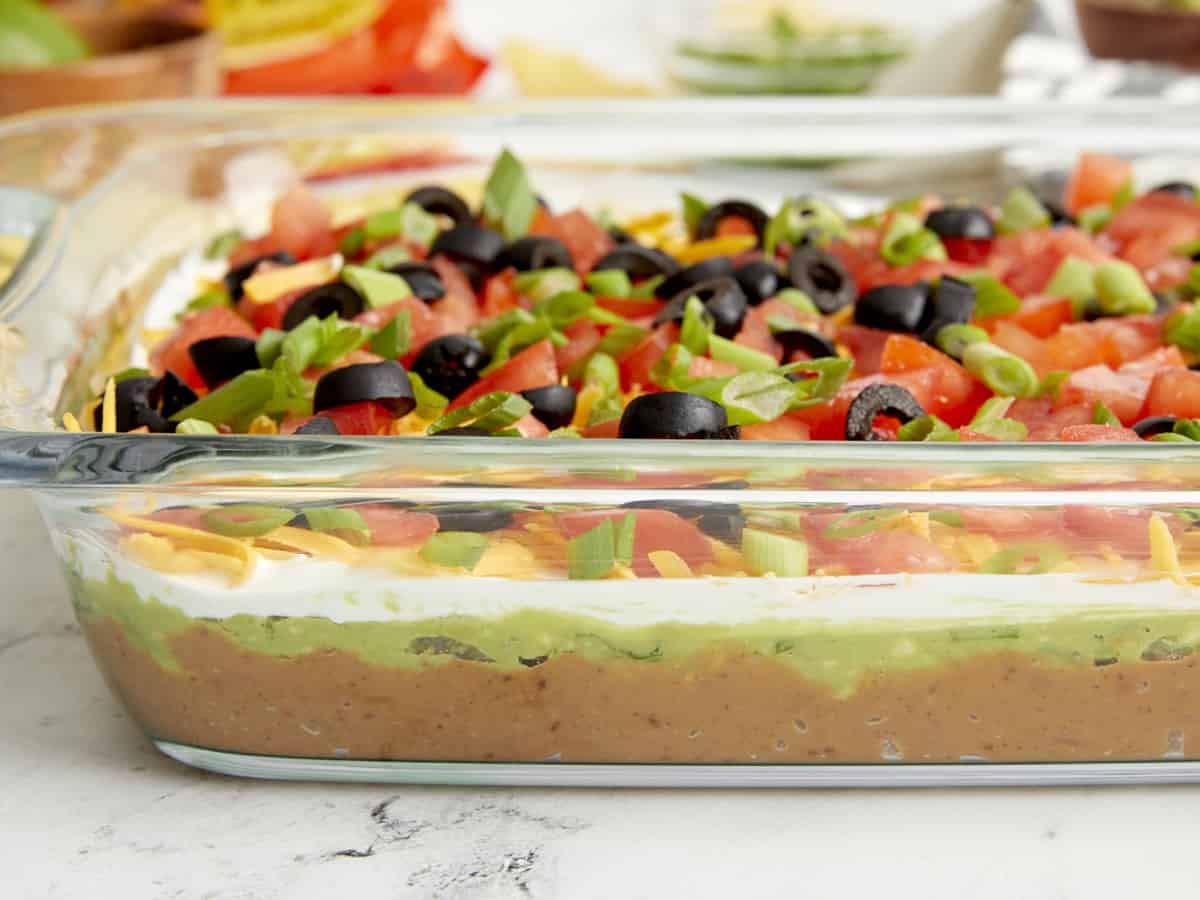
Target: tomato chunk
[216, 321]
[532, 367]
[1095, 179]
[656, 529]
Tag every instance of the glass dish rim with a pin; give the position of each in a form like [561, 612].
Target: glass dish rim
[38, 452]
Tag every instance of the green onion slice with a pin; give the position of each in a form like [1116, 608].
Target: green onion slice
[1005, 373]
[491, 412]
[609, 283]
[1024, 559]
[247, 520]
[459, 549]
[509, 202]
[592, 554]
[861, 522]
[348, 523]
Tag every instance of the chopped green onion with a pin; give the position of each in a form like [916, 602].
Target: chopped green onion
[860, 523]
[388, 257]
[992, 296]
[623, 539]
[620, 339]
[384, 224]
[393, 340]
[233, 402]
[785, 557]
[778, 227]
[269, 345]
[565, 307]
[491, 331]
[212, 297]
[609, 283]
[1074, 279]
[602, 370]
[520, 337]
[1005, 373]
[1120, 290]
[1050, 385]
[925, 428]
[644, 290]
[816, 216]
[991, 410]
[348, 523]
[671, 369]
[954, 339]
[1171, 437]
[775, 518]
[1125, 193]
[222, 245]
[798, 300]
[1183, 329]
[456, 549]
[602, 316]
[1193, 280]
[697, 326]
[1187, 248]
[195, 426]
[1021, 211]
[247, 520]
[990, 419]
[747, 359]
[592, 554]
[694, 209]
[907, 240]
[321, 342]
[410, 222]
[1093, 218]
[909, 204]
[491, 412]
[376, 287]
[1023, 559]
[542, 284]
[950, 517]
[352, 242]
[1188, 428]
[509, 202]
[567, 431]
[831, 375]
[750, 397]
[1102, 415]
[430, 404]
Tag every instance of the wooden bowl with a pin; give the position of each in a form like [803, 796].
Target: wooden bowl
[1115, 30]
[139, 55]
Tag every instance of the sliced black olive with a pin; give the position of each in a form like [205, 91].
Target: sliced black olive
[171, 395]
[553, 405]
[620, 235]
[469, 242]
[1058, 214]
[134, 409]
[723, 299]
[1184, 189]
[810, 343]
[385, 382]
[334, 299]
[1152, 425]
[465, 517]
[318, 425]
[724, 521]
[637, 261]
[879, 400]
[450, 364]
[462, 431]
[961, 222]
[236, 277]
[892, 307]
[535, 252]
[952, 303]
[731, 209]
[673, 414]
[476, 273]
[440, 201]
[422, 278]
[760, 280]
[220, 359]
[822, 277]
[705, 270]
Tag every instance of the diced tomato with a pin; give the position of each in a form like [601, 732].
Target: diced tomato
[1042, 316]
[252, 249]
[532, 367]
[392, 527]
[1026, 261]
[1010, 523]
[656, 529]
[637, 363]
[216, 321]
[784, 428]
[865, 345]
[610, 428]
[1020, 342]
[756, 334]
[1152, 363]
[1146, 231]
[1124, 394]
[956, 393]
[187, 516]
[531, 427]
[1045, 423]
[971, 251]
[732, 226]
[301, 224]
[1124, 530]
[1095, 179]
[367, 417]
[586, 240]
[631, 307]
[266, 315]
[1174, 392]
[886, 550]
[1097, 433]
[498, 294]
[828, 421]
[703, 367]
[971, 436]
[423, 325]
[582, 338]
[458, 310]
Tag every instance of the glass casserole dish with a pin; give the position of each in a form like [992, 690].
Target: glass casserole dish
[1054, 641]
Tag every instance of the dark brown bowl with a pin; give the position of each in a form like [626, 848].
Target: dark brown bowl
[138, 56]
[1113, 30]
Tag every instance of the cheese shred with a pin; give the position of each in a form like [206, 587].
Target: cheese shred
[108, 414]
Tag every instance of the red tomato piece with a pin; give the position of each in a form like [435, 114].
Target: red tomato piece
[586, 240]
[865, 345]
[367, 417]
[531, 427]
[1045, 423]
[172, 354]
[423, 325]
[301, 224]
[1042, 316]
[785, 428]
[955, 387]
[971, 251]
[582, 338]
[1147, 230]
[1125, 530]
[631, 307]
[637, 363]
[828, 421]
[608, 429]
[1014, 524]
[1124, 394]
[703, 367]
[1017, 340]
[656, 529]
[498, 294]
[458, 310]
[1097, 433]
[392, 527]
[532, 367]
[1174, 392]
[1152, 363]
[1095, 179]
[883, 551]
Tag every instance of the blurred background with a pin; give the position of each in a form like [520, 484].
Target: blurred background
[1026, 49]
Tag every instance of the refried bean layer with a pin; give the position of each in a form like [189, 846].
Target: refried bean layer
[717, 706]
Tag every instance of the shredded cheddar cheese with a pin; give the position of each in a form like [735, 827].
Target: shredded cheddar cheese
[270, 286]
[263, 425]
[583, 405]
[669, 564]
[313, 543]
[1164, 556]
[193, 539]
[655, 221]
[728, 245]
[71, 423]
[108, 415]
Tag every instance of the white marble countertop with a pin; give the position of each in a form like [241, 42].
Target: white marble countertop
[88, 808]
